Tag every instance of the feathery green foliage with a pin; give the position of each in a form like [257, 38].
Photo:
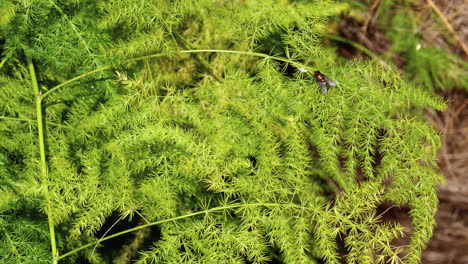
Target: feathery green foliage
[227, 156]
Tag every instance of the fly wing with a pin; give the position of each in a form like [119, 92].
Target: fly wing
[323, 85]
[330, 81]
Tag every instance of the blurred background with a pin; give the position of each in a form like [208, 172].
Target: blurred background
[427, 41]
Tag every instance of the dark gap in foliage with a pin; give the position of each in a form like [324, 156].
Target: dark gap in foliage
[119, 31]
[27, 209]
[342, 251]
[183, 248]
[275, 254]
[153, 236]
[141, 176]
[391, 213]
[359, 174]
[15, 157]
[121, 225]
[2, 44]
[227, 178]
[272, 44]
[7, 70]
[113, 247]
[253, 161]
[82, 260]
[288, 70]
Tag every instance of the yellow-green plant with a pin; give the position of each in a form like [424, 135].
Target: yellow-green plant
[173, 117]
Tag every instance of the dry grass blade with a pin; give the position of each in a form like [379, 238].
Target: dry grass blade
[449, 27]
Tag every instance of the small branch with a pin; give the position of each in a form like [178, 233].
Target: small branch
[74, 79]
[294, 63]
[214, 209]
[3, 62]
[18, 119]
[32, 120]
[198, 57]
[357, 46]
[44, 176]
[266, 56]
[100, 239]
[449, 27]
[370, 15]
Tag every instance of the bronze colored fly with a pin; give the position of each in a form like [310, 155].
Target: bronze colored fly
[323, 81]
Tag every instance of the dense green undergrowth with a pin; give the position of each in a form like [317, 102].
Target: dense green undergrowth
[114, 117]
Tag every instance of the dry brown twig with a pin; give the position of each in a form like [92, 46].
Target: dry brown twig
[370, 14]
[449, 27]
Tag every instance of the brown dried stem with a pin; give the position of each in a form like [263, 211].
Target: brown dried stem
[449, 27]
[370, 15]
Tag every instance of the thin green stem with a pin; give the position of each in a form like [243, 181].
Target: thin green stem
[44, 176]
[99, 70]
[266, 56]
[32, 120]
[142, 217]
[355, 45]
[75, 79]
[294, 63]
[150, 72]
[200, 59]
[3, 62]
[214, 209]
[18, 119]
